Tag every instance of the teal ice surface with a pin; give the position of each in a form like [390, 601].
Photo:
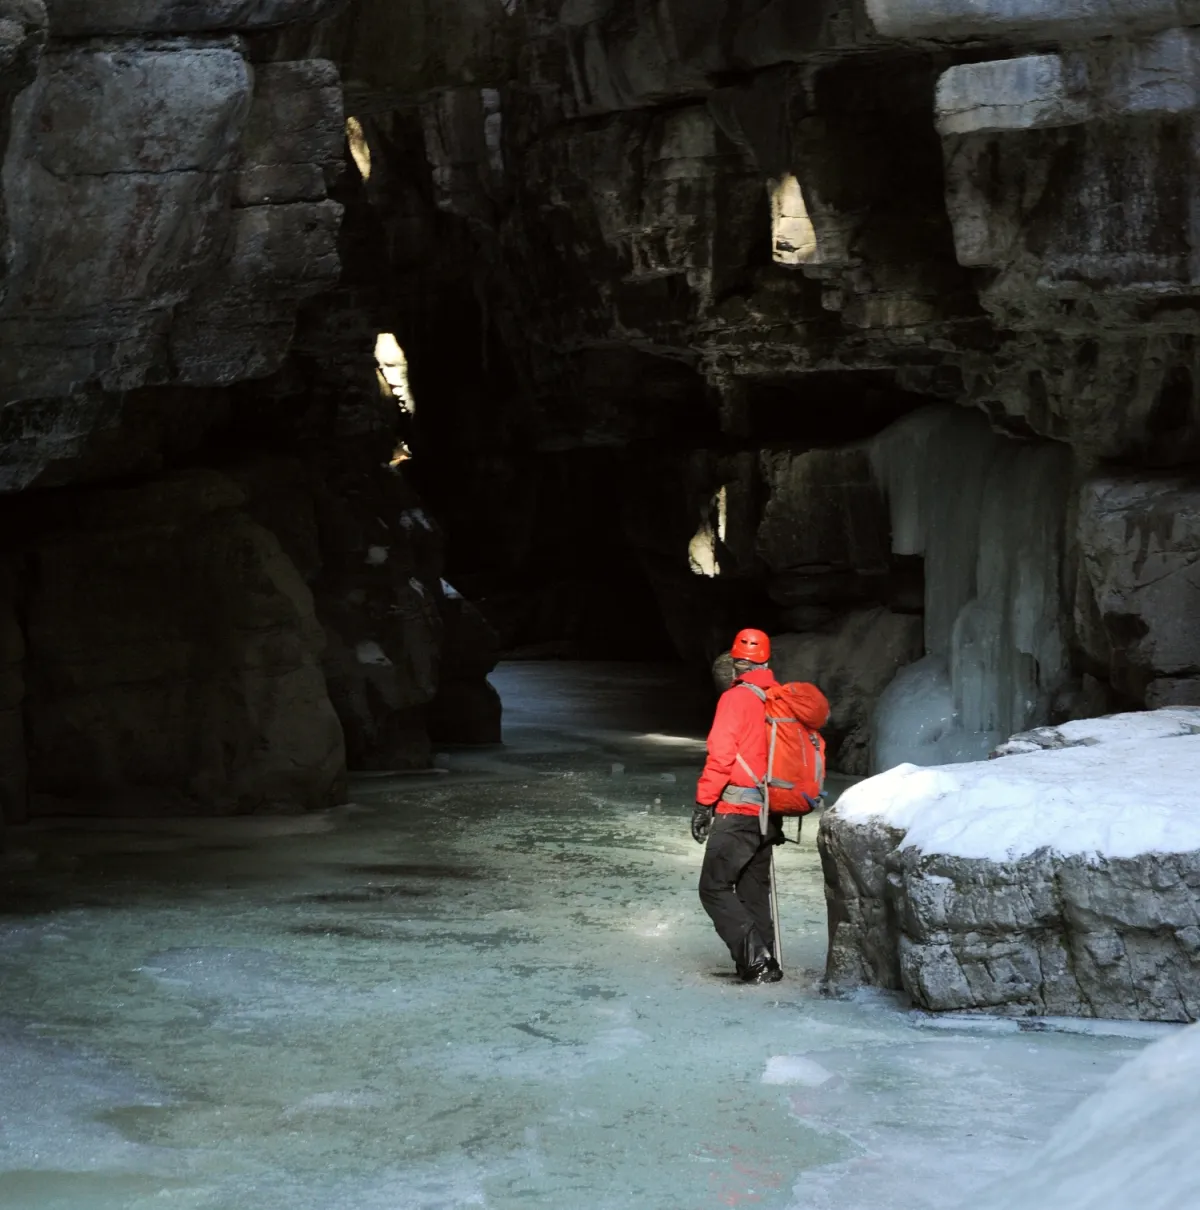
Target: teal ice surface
[492, 987]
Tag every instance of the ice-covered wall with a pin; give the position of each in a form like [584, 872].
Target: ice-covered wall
[988, 516]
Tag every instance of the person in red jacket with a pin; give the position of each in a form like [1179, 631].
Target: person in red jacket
[735, 886]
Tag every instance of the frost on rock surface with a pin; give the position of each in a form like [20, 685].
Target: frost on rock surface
[1131, 1144]
[988, 516]
[1062, 880]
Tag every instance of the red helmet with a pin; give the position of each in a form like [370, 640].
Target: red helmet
[752, 645]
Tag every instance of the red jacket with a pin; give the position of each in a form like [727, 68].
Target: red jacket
[738, 726]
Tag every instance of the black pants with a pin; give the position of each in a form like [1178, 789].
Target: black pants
[735, 883]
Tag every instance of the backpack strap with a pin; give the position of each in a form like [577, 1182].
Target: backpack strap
[761, 694]
[764, 786]
[741, 760]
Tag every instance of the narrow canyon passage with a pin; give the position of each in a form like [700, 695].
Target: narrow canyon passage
[403, 405]
[491, 986]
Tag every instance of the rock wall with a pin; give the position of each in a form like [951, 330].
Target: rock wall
[1031, 884]
[167, 209]
[217, 586]
[668, 277]
[173, 658]
[733, 244]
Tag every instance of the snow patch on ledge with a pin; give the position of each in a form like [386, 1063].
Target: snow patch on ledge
[1115, 799]
[1113, 728]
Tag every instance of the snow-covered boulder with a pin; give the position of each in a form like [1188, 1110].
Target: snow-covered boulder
[1063, 879]
[1132, 1144]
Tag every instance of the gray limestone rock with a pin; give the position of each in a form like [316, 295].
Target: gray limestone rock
[1047, 933]
[23, 28]
[825, 512]
[954, 20]
[282, 243]
[113, 222]
[1139, 546]
[293, 145]
[239, 323]
[168, 213]
[852, 661]
[85, 18]
[173, 660]
[1012, 94]
[394, 56]
[863, 948]
[625, 54]
[467, 709]
[381, 668]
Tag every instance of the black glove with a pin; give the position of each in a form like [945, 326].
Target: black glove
[702, 818]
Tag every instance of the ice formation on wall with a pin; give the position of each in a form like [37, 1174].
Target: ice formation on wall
[987, 513]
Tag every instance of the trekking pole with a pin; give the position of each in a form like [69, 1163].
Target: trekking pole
[775, 912]
[763, 816]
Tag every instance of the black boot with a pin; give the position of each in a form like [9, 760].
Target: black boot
[768, 971]
[758, 964]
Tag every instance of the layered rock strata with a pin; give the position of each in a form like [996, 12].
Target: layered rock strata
[229, 592]
[669, 277]
[734, 243]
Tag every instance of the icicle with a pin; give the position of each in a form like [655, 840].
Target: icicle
[987, 513]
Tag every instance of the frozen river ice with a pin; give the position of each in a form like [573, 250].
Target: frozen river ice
[489, 987]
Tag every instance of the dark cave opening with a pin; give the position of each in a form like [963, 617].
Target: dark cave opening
[825, 408]
[549, 563]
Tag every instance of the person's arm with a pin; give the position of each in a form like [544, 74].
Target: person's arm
[722, 748]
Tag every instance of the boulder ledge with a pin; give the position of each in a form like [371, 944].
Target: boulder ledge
[1062, 879]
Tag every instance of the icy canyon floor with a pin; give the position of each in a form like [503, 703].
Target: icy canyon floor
[488, 987]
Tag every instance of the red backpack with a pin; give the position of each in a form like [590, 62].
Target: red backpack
[794, 715]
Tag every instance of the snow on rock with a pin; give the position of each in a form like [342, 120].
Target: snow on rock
[377, 556]
[1143, 725]
[1062, 880]
[1107, 801]
[1132, 1144]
